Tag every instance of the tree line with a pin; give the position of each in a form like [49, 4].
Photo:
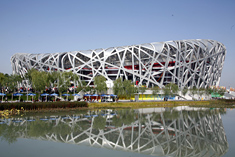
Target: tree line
[39, 81]
[127, 89]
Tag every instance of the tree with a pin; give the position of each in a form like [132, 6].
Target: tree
[128, 88]
[155, 91]
[142, 89]
[91, 90]
[184, 90]
[208, 91]
[64, 82]
[170, 89]
[100, 84]
[2, 77]
[201, 91]
[17, 79]
[221, 91]
[6, 82]
[39, 80]
[193, 90]
[166, 91]
[123, 88]
[75, 79]
[118, 87]
[28, 75]
[52, 78]
[174, 88]
[82, 86]
[12, 82]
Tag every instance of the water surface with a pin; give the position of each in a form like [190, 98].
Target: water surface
[180, 131]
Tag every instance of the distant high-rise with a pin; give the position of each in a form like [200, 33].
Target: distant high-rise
[184, 62]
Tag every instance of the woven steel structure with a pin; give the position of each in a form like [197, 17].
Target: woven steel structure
[185, 62]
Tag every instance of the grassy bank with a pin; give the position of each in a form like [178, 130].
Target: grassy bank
[145, 104]
[65, 105]
[209, 103]
[220, 103]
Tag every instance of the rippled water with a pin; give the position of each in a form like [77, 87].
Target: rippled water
[180, 131]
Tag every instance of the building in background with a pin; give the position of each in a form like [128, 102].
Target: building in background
[184, 62]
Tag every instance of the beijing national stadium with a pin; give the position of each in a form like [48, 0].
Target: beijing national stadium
[187, 63]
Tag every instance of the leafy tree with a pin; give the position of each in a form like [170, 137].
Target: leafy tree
[39, 80]
[90, 89]
[2, 77]
[123, 88]
[193, 90]
[128, 88]
[12, 82]
[82, 86]
[170, 89]
[118, 87]
[174, 88]
[16, 79]
[64, 82]
[221, 91]
[166, 91]
[28, 75]
[201, 91]
[142, 89]
[100, 84]
[53, 77]
[184, 90]
[208, 91]
[6, 82]
[75, 79]
[155, 91]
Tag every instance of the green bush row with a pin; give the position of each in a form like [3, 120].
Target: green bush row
[42, 105]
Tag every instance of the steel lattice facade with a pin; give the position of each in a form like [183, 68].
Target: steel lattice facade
[185, 62]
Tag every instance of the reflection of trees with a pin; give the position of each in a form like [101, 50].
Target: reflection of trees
[156, 116]
[62, 129]
[172, 114]
[9, 133]
[39, 128]
[221, 111]
[99, 122]
[171, 133]
[124, 117]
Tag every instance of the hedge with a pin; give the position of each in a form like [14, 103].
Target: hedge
[42, 105]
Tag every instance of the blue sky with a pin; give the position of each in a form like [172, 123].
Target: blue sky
[49, 26]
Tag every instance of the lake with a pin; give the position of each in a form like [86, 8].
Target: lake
[180, 131]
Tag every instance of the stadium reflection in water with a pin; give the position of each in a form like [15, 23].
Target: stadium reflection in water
[181, 131]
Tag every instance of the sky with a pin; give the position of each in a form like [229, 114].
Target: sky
[49, 26]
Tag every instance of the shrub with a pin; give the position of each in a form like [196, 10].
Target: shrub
[42, 105]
